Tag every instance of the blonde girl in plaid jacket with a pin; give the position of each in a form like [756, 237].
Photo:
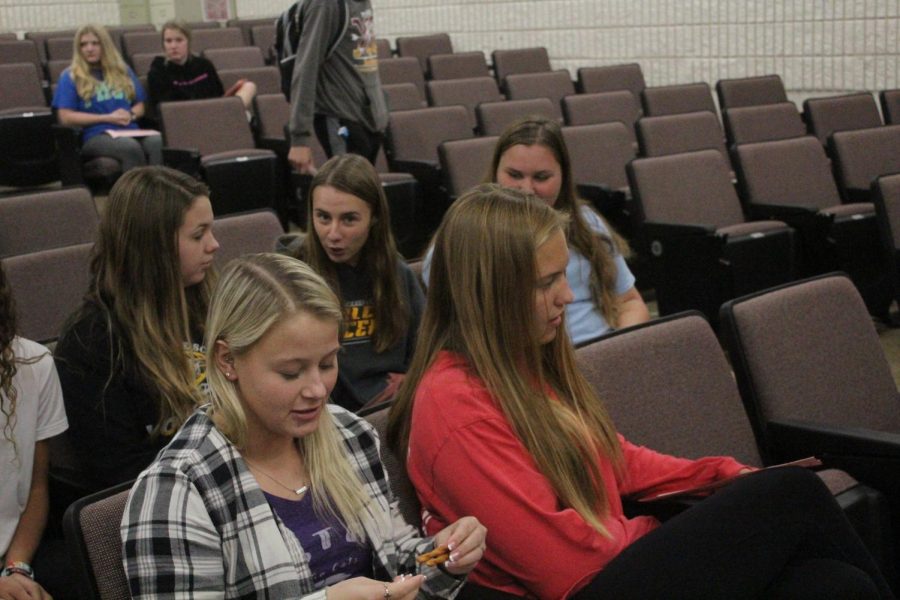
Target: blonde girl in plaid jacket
[200, 521]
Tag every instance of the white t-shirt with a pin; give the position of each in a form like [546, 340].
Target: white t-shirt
[39, 415]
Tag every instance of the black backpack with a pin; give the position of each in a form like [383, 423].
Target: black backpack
[288, 28]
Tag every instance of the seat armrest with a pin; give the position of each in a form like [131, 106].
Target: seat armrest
[793, 439]
[68, 145]
[604, 198]
[427, 172]
[653, 229]
[589, 191]
[871, 457]
[431, 188]
[660, 509]
[853, 195]
[186, 160]
[297, 195]
[778, 212]
[279, 146]
[616, 206]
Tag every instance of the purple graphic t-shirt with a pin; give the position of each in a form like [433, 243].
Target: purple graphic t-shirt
[331, 552]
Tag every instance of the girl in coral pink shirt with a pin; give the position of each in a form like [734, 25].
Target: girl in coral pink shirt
[495, 421]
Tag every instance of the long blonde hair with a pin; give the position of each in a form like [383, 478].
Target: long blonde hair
[598, 249]
[481, 295]
[136, 280]
[115, 72]
[254, 294]
[354, 175]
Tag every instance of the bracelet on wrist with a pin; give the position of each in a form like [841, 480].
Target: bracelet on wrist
[17, 566]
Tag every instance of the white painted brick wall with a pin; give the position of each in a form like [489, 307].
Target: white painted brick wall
[46, 15]
[40, 15]
[817, 46]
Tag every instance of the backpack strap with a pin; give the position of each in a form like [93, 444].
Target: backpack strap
[283, 47]
[288, 29]
[344, 19]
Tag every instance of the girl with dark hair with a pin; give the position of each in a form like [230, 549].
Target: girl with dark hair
[494, 420]
[31, 412]
[351, 245]
[131, 358]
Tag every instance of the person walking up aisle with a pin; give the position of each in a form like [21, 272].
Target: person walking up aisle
[335, 89]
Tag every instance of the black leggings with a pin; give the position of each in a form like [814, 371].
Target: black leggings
[357, 139]
[773, 534]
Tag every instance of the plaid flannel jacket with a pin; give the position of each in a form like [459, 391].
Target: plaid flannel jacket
[197, 525]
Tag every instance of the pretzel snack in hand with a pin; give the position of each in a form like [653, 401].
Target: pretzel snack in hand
[438, 556]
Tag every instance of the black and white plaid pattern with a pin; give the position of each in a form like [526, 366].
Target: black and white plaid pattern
[197, 524]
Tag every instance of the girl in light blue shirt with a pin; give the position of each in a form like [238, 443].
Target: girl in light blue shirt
[531, 155]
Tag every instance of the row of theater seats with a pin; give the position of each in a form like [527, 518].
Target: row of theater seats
[46, 240]
[665, 179]
[790, 177]
[727, 242]
[527, 75]
[44, 159]
[226, 48]
[435, 153]
[45, 243]
[811, 379]
[30, 69]
[671, 120]
[245, 167]
[47, 47]
[242, 43]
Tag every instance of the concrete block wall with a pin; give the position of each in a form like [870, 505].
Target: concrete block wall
[817, 46]
[47, 15]
[251, 9]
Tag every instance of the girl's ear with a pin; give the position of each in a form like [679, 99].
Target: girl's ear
[224, 360]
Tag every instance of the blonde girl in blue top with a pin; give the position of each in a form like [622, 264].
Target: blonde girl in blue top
[100, 93]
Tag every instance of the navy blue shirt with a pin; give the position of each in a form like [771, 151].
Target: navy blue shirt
[332, 553]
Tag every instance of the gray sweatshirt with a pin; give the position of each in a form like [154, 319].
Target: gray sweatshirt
[344, 85]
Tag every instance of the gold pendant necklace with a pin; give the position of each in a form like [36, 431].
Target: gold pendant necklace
[299, 491]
